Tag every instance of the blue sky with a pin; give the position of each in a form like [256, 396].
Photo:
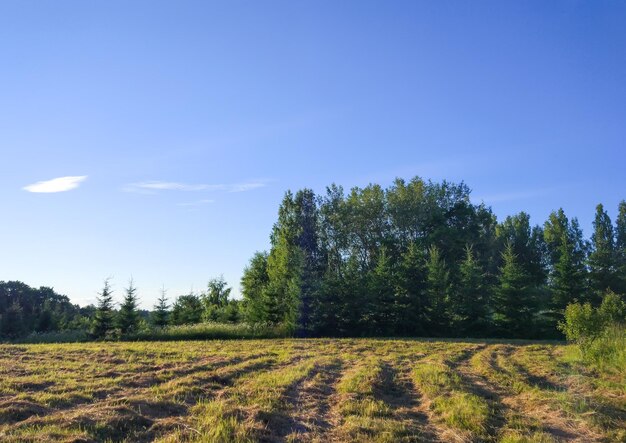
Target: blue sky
[181, 124]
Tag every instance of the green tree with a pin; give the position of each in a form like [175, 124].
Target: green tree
[103, 319]
[253, 288]
[293, 264]
[231, 313]
[332, 304]
[46, 321]
[513, 297]
[218, 292]
[187, 310]
[620, 248]
[411, 292]
[567, 254]
[215, 299]
[381, 315]
[338, 262]
[12, 321]
[160, 314]
[602, 259]
[568, 277]
[528, 244]
[308, 242]
[127, 316]
[283, 290]
[438, 290]
[469, 308]
[328, 305]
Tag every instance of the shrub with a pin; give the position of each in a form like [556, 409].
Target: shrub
[599, 332]
[613, 309]
[582, 323]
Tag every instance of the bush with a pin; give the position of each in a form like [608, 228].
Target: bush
[582, 323]
[599, 332]
[613, 309]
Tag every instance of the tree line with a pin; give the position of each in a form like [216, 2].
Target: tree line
[25, 310]
[415, 259]
[420, 259]
[213, 305]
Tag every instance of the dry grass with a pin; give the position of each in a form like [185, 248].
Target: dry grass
[357, 390]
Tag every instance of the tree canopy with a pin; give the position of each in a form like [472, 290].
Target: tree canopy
[419, 258]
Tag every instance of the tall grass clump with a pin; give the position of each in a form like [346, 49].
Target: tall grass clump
[69, 336]
[209, 331]
[608, 351]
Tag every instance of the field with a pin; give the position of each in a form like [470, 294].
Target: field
[307, 390]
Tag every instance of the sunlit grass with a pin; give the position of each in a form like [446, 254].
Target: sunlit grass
[450, 400]
[369, 390]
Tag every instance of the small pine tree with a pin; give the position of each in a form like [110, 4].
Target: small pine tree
[381, 309]
[602, 257]
[160, 315]
[514, 297]
[411, 297]
[253, 284]
[568, 278]
[103, 318]
[470, 304]
[438, 283]
[620, 248]
[128, 317]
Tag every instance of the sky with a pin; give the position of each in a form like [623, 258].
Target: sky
[156, 139]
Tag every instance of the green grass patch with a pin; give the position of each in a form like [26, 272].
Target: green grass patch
[464, 411]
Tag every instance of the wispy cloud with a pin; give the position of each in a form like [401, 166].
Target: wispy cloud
[196, 203]
[166, 186]
[151, 187]
[60, 184]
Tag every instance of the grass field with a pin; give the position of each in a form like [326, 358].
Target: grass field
[307, 390]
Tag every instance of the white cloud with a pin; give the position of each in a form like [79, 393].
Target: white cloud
[171, 186]
[60, 184]
[154, 186]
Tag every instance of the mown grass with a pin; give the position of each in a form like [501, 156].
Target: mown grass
[258, 390]
[450, 400]
[549, 381]
[365, 415]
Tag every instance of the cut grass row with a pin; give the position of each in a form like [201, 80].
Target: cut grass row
[238, 417]
[243, 391]
[450, 400]
[365, 416]
[547, 387]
